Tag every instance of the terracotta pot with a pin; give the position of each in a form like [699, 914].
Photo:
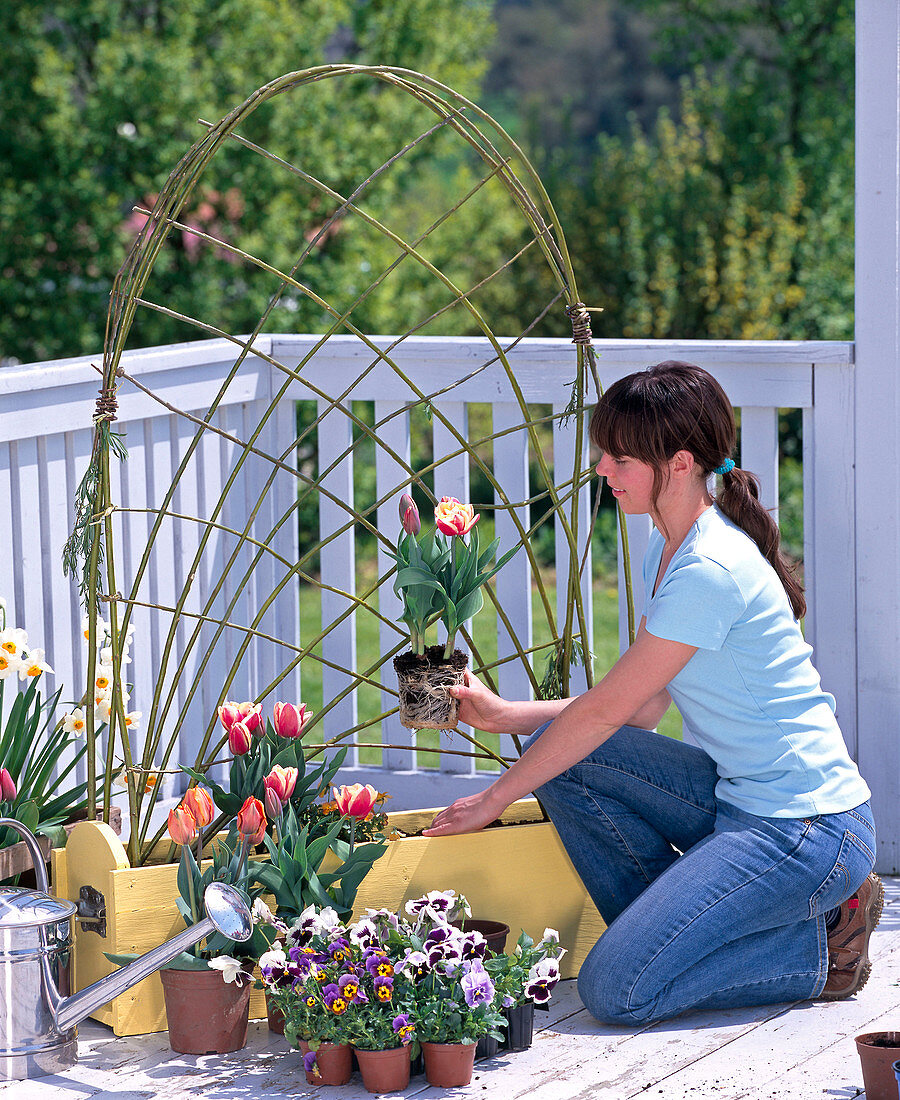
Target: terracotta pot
[878, 1050]
[425, 703]
[275, 1017]
[520, 1026]
[384, 1070]
[205, 1014]
[449, 1065]
[335, 1063]
[494, 931]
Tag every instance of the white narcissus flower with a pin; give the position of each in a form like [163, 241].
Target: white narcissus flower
[13, 641]
[9, 665]
[133, 718]
[103, 706]
[232, 969]
[74, 721]
[33, 665]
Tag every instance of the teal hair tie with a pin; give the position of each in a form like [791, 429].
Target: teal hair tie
[726, 467]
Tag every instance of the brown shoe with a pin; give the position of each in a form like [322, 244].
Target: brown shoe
[848, 941]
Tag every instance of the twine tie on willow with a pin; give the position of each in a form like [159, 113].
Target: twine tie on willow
[107, 406]
[581, 323]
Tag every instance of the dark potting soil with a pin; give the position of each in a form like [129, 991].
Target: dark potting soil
[433, 656]
[890, 1041]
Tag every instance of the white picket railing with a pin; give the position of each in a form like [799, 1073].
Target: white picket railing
[45, 439]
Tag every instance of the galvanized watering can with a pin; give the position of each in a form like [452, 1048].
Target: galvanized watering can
[38, 1020]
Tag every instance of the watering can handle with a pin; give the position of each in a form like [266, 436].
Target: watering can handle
[37, 856]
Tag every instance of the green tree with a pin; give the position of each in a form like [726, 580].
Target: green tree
[101, 99]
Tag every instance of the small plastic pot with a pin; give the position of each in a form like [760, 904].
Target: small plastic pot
[520, 1026]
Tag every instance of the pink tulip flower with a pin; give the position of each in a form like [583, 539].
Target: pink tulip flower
[8, 790]
[289, 719]
[409, 515]
[239, 738]
[355, 800]
[453, 518]
[282, 781]
[274, 805]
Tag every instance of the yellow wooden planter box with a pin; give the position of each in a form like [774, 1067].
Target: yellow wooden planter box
[519, 874]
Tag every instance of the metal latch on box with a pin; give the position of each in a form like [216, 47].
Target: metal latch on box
[92, 911]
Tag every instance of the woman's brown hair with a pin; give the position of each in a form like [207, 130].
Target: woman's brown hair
[674, 406]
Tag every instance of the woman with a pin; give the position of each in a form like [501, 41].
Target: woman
[772, 899]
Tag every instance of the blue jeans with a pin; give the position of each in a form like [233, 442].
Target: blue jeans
[737, 919]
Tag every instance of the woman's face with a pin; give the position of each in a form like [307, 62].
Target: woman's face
[631, 482]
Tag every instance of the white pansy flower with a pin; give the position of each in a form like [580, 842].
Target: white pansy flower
[33, 665]
[275, 959]
[74, 722]
[232, 969]
[261, 912]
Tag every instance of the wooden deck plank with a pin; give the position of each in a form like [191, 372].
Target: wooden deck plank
[775, 1052]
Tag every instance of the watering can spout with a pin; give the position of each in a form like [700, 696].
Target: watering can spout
[227, 913]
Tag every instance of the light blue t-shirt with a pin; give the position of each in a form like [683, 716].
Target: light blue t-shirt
[750, 694]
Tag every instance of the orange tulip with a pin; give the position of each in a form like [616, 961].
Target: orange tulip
[182, 827]
[200, 806]
[454, 518]
[251, 820]
[282, 781]
[355, 800]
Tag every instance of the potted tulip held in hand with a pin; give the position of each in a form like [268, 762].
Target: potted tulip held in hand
[439, 579]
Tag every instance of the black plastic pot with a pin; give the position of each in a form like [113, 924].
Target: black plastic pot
[520, 1028]
[488, 1047]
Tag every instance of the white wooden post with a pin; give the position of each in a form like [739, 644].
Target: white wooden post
[877, 419]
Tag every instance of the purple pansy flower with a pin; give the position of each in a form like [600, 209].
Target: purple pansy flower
[384, 989]
[403, 1028]
[309, 1063]
[542, 978]
[477, 986]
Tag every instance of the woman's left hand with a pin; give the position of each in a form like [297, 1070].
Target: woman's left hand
[466, 815]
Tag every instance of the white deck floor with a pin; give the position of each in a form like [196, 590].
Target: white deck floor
[780, 1052]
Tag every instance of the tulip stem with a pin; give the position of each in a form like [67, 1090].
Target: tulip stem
[192, 893]
[352, 835]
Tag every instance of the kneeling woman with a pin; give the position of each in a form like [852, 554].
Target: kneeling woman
[733, 872]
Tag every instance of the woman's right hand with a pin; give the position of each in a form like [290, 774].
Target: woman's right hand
[480, 707]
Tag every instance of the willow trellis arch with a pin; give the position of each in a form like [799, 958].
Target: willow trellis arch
[102, 516]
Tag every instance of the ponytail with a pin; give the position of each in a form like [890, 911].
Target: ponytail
[738, 499]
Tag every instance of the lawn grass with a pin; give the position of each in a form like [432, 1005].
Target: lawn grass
[606, 651]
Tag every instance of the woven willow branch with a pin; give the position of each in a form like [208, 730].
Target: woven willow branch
[193, 635]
